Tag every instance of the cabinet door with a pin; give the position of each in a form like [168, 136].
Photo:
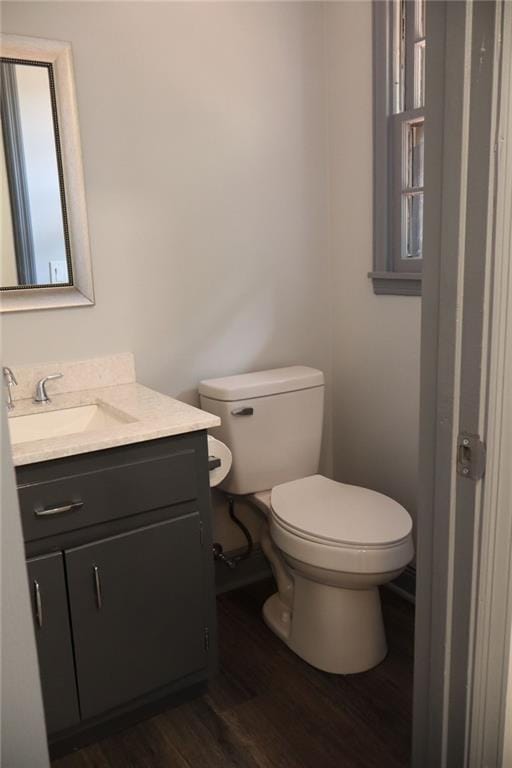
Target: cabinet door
[137, 611]
[53, 635]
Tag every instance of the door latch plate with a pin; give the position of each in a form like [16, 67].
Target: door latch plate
[470, 456]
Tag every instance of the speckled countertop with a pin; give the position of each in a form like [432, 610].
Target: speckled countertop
[145, 414]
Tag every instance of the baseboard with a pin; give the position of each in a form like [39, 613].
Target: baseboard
[255, 568]
[405, 584]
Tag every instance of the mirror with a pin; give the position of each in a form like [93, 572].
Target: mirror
[44, 258]
[35, 248]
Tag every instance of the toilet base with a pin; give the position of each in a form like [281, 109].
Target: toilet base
[277, 617]
[334, 629]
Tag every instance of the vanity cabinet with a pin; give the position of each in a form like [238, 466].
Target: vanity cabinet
[121, 577]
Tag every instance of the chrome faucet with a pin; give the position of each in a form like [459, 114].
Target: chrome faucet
[41, 395]
[10, 381]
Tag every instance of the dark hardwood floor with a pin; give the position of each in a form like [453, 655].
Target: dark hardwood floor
[268, 709]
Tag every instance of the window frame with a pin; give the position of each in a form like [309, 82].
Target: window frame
[391, 273]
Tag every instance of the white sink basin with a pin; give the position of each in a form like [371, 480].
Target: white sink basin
[68, 421]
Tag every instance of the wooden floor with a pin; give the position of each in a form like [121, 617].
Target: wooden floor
[268, 709]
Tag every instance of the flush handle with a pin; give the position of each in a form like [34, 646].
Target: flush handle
[247, 411]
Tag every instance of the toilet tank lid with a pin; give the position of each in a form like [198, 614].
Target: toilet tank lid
[261, 383]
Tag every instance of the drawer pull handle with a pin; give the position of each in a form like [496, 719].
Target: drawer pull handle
[97, 586]
[49, 511]
[39, 604]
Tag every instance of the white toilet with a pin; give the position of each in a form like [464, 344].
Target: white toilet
[330, 544]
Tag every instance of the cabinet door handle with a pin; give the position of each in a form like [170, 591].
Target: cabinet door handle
[48, 511]
[97, 586]
[39, 604]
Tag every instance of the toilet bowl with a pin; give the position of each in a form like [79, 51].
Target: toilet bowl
[330, 545]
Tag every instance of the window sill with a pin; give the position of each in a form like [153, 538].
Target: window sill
[396, 283]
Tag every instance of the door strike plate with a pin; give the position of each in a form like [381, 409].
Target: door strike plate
[470, 456]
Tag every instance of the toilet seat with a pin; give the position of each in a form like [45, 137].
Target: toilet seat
[326, 511]
[340, 527]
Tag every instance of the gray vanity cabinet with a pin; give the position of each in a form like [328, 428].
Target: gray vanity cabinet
[137, 611]
[47, 586]
[120, 566]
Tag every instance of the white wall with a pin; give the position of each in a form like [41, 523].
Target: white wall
[507, 737]
[22, 728]
[212, 153]
[202, 132]
[376, 339]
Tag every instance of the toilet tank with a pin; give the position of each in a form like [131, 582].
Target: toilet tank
[271, 421]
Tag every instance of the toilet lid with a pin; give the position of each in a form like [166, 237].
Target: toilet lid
[321, 509]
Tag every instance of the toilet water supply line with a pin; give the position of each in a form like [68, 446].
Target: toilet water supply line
[218, 552]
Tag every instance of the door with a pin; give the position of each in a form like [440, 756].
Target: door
[463, 600]
[138, 610]
[53, 636]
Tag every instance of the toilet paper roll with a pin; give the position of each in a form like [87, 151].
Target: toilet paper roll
[219, 450]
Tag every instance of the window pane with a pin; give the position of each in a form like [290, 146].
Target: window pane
[398, 55]
[419, 74]
[413, 225]
[420, 18]
[415, 154]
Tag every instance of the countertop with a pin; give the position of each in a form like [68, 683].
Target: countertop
[151, 415]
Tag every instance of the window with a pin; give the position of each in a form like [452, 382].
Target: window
[399, 104]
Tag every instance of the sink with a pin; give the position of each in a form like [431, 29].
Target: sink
[67, 421]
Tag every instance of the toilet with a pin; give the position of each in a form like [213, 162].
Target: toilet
[330, 545]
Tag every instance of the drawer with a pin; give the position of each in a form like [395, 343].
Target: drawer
[77, 501]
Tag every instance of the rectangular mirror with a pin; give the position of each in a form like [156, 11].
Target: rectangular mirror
[45, 258]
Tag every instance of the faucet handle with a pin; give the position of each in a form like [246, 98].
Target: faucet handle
[10, 380]
[9, 375]
[41, 395]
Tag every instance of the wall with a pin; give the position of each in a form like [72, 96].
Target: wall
[205, 176]
[211, 256]
[211, 149]
[376, 339]
[22, 729]
[507, 737]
